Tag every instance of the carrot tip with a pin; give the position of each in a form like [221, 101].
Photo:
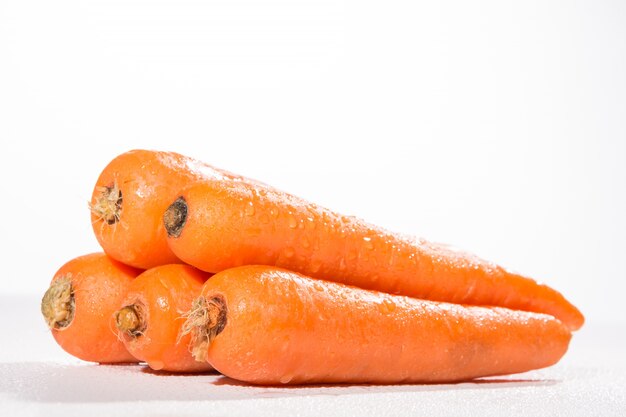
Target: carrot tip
[175, 217]
[130, 320]
[108, 205]
[205, 320]
[57, 304]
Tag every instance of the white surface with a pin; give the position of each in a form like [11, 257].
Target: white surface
[38, 379]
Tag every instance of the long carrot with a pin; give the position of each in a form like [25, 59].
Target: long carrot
[130, 196]
[215, 226]
[78, 307]
[151, 317]
[265, 325]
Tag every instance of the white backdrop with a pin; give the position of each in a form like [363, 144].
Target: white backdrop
[500, 128]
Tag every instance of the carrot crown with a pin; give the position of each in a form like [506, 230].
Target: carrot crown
[175, 217]
[130, 320]
[57, 304]
[108, 205]
[205, 320]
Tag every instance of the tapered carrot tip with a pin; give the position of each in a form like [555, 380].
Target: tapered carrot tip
[57, 304]
[206, 320]
[107, 204]
[175, 217]
[130, 320]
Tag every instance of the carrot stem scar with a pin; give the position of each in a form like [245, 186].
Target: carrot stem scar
[175, 217]
[129, 320]
[57, 305]
[108, 205]
[206, 319]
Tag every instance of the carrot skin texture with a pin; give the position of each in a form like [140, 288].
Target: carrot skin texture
[98, 283]
[233, 224]
[164, 293]
[284, 328]
[148, 181]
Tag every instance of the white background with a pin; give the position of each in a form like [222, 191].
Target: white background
[498, 127]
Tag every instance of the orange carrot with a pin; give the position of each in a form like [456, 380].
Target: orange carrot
[215, 226]
[79, 305]
[129, 199]
[151, 317]
[269, 326]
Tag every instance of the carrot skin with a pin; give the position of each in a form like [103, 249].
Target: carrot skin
[98, 284]
[130, 196]
[161, 296]
[284, 328]
[232, 224]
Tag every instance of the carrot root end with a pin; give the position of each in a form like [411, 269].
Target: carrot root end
[58, 304]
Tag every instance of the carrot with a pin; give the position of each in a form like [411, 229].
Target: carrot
[151, 317]
[79, 304]
[269, 326]
[214, 226]
[130, 196]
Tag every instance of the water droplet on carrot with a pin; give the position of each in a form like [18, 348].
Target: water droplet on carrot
[274, 213]
[288, 252]
[318, 286]
[368, 243]
[249, 210]
[305, 242]
[285, 379]
[292, 222]
[156, 365]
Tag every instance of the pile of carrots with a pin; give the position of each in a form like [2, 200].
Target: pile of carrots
[205, 270]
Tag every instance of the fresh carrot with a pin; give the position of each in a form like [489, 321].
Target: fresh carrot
[218, 225]
[152, 315]
[79, 304]
[130, 196]
[270, 326]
